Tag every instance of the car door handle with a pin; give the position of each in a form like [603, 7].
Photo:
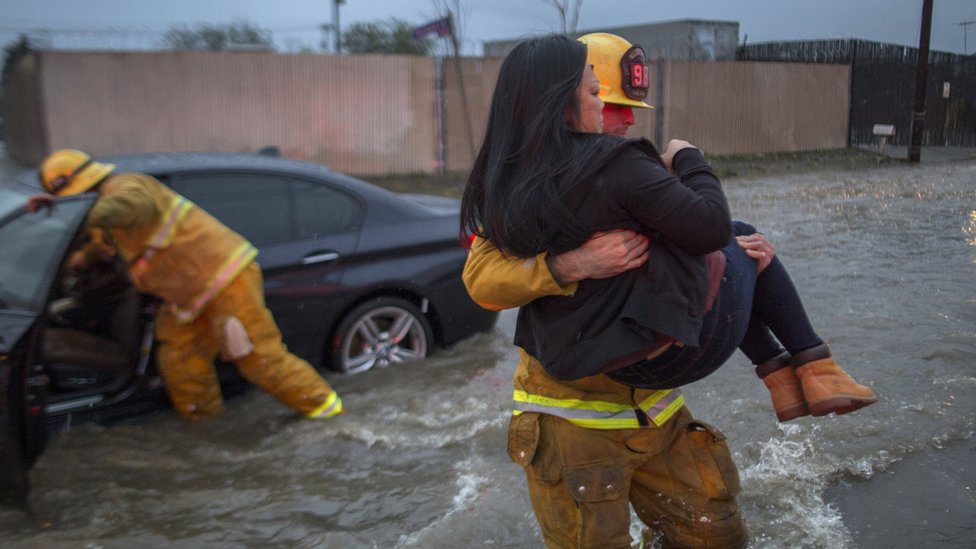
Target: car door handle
[321, 257]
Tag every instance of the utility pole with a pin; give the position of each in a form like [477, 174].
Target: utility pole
[921, 80]
[326, 30]
[965, 28]
[464, 93]
[335, 24]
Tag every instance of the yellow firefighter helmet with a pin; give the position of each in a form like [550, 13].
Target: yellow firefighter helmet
[68, 171]
[621, 68]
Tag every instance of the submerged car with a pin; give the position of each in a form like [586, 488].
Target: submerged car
[357, 277]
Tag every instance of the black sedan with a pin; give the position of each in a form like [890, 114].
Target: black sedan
[357, 277]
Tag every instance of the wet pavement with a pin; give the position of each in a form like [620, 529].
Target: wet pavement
[884, 259]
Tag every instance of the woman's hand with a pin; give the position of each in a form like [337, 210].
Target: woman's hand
[673, 147]
[758, 248]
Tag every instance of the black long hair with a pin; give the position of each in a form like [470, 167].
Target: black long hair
[532, 167]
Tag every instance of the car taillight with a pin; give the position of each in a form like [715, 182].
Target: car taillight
[467, 242]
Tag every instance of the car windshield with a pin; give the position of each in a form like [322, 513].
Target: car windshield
[30, 250]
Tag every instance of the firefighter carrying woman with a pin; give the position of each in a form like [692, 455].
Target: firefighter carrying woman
[610, 326]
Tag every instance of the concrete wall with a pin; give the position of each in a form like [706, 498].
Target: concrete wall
[22, 109]
[378, 115]
[723, 107]
[467, 112]
[362, 114]
[752, 107]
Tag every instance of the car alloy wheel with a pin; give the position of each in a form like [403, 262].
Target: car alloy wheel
[379, 333]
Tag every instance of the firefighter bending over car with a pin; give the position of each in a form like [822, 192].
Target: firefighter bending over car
[208, 278]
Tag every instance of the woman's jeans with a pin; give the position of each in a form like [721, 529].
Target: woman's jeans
[747, 312]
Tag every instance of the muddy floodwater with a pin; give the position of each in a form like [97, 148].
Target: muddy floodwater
[884, 259]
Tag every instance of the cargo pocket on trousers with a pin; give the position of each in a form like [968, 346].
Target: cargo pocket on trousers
[592, 483]
[523, 438]
[714, 461]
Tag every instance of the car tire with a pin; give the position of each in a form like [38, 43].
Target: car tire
[378, 333]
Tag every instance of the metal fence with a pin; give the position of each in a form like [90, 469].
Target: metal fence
[883, 87]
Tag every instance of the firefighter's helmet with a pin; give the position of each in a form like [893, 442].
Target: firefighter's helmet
[621, 68]
[69, 171]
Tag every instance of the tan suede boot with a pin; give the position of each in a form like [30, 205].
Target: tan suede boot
[784, 388]
[826, 387]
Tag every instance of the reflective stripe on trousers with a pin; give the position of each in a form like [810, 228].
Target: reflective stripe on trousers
[595, 414]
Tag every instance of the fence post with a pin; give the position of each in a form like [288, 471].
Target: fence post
[660, 103]
[440, 129]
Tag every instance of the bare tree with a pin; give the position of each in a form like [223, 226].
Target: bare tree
[236, 35]
[568, 13]
[391, 36]
[459, 18]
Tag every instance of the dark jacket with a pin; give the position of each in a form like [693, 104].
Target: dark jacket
[624, 316]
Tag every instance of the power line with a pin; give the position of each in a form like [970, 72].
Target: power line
[139, 29]
[142, 37]
[81, 30]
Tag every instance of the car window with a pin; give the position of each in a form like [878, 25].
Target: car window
[257, 208]
[266, 209]
[322, 210]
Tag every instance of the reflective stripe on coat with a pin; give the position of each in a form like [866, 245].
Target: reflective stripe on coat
[175, 250]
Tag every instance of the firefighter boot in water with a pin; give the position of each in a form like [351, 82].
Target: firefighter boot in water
[330, 408]
[826, 387]
[784, 388]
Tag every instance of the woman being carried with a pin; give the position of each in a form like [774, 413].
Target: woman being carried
[545, 180]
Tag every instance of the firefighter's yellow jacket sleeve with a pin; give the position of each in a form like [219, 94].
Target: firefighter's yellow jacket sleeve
[497, 281]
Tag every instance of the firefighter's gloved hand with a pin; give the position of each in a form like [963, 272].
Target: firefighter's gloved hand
[39, 201]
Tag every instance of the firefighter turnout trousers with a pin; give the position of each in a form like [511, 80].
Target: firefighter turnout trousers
[679, 477]
[187, 352]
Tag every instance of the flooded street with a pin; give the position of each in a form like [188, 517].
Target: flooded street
[885, 261]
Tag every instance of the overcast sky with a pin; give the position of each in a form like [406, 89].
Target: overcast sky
[296, 24]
